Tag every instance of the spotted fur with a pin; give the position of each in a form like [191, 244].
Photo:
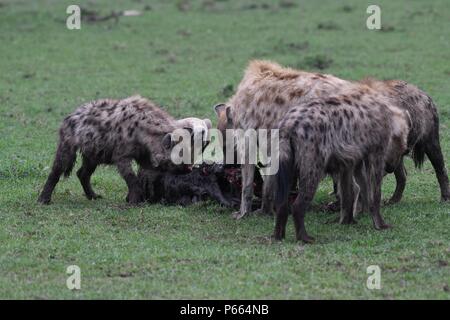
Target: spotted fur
[113, 132]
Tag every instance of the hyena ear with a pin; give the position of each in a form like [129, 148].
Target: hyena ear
[219, 108]
[228, 113]
[167, 141]
[208, 123]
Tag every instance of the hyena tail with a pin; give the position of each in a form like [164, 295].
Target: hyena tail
[68, 161]
[285, 171]
[418, 154]
[66, 153]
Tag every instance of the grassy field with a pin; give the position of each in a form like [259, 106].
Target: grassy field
[188, 56]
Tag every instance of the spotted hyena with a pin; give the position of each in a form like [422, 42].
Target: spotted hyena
[268, 90]
[115, 132]
[423, 138]
[333, 136]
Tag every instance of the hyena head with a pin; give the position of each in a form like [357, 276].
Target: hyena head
[194, 129]
[199, 127]
[398, 142]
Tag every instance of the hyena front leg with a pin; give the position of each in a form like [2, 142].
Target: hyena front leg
[400, 179]
[84, 175]
[134, 189]
[267, 205]
[147, 178]
[247, 171]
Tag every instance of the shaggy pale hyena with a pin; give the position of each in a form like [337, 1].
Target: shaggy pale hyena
[115, 132]
[332, 136]
[267, 91]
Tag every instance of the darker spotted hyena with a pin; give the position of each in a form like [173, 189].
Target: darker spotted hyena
[113, 132]
[423, 138]
[331, 136]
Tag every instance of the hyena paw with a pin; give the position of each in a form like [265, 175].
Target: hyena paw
[97, 196]
[334, 206]
[263, 212]
[276, 237]
[238, 215]
[306, 238]
[44, 201]
[134, 198]
[391, 201]
[382, 226]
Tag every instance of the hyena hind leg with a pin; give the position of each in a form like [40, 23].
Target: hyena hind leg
[84, 175]
[64, 160]
[400, 179]
[306, 190]
[434, 153]
[376, 177]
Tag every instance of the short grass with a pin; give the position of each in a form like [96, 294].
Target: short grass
[187, 56]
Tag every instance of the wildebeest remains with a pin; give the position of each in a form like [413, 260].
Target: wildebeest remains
[184, 188]
[201, 182]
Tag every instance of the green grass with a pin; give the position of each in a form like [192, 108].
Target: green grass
[186, 61]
